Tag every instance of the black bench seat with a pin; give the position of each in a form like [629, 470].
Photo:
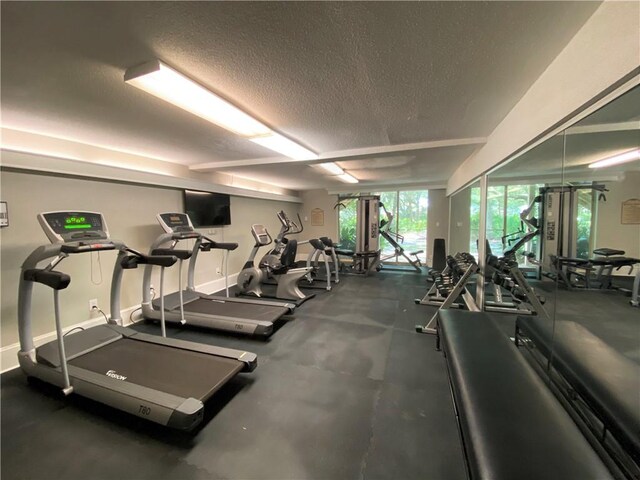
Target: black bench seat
[608, 382]
[511, 424]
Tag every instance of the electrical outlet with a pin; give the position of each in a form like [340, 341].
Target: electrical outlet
[93, 303]
[218, 271]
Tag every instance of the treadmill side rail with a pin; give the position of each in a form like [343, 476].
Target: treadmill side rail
[249, 360]
[232, 324]
[186, 416]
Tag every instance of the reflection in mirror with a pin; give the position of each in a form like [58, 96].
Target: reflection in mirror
[590, 245]
[516, 231]
[465, 220]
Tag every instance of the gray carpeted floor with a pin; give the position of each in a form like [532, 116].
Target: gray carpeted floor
[346, 390]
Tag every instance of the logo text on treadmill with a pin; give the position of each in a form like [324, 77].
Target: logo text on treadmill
[113, 374]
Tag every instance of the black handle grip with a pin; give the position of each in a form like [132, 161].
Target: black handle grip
[160, 260]
[86, 247]
[181, 254]
[51, 278]
[227, 246]
[210, 244]
[132, 261]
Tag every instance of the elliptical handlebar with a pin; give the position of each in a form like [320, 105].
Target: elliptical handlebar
[297, 227]
[289, 227]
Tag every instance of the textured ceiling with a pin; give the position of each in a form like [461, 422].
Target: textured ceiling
[432, 166]
[332, 75]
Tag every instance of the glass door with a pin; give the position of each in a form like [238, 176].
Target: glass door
[412, 222]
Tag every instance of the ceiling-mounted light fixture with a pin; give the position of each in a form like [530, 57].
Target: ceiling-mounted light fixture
[171, 86]
[331, 168]
[617, 159]
[346, 178]
[289, 148]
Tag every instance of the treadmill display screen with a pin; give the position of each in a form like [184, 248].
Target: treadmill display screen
[65, 222]
[176, 221]
[73, 223]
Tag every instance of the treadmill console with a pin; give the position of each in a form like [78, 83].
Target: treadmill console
[66, 227]
[175, 222]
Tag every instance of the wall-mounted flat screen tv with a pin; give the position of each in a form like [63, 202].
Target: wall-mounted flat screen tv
[207, 209]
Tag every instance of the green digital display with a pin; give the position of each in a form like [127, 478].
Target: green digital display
[76, 226]
[75, 223]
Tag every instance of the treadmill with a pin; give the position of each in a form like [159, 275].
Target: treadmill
[190, 307]
[159, 379]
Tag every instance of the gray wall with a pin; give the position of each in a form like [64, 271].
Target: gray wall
[130, 212]
[459, 231]
[318, 199]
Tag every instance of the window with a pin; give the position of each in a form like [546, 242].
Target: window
[412, 221]
[390, 201]
[347, 223]
[409, 210]
[504, 227]
[584, 217]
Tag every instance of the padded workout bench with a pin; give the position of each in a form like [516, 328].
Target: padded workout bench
[512, 426]
[577, 273]
[601, 386]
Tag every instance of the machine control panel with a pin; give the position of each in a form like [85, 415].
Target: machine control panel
[73, 226]
[176, 223]
[260, 234]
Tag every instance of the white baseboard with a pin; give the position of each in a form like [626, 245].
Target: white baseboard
[9, 354]
[217, 285]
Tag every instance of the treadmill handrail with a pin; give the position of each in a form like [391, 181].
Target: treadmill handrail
[25, 289]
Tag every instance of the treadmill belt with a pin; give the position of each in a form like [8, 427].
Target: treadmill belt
[183, 373]
[266, 313]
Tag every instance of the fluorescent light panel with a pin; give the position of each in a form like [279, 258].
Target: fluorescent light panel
[346, 178]
[283, 145]
[331, 168]
[617, 159]
[171, 86]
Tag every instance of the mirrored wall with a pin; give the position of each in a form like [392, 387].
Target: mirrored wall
[562, 270]
[563, 218]
[515, 264]
[599, 253]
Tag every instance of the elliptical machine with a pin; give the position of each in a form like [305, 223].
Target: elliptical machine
[279, 264]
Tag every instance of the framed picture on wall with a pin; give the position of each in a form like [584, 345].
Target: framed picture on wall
[4, 214]
[630, 214]
[317, 217]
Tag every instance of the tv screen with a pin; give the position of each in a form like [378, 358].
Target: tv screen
[207, 209]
